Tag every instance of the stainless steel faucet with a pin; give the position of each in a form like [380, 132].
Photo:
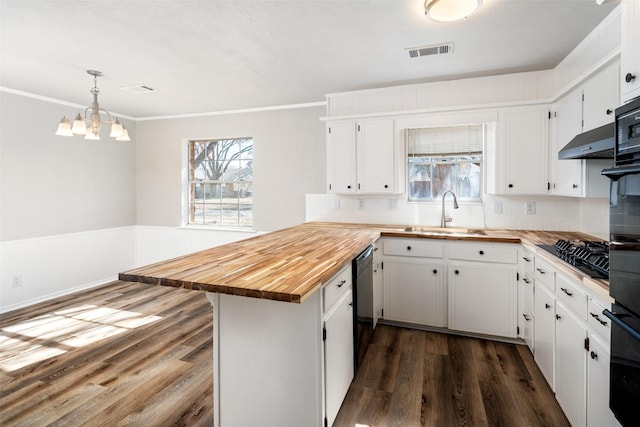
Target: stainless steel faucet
[444, 221]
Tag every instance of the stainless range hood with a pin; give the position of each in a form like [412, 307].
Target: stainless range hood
[594, 144]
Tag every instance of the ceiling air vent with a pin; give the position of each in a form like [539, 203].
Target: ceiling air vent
[436, 49]
[138, 89]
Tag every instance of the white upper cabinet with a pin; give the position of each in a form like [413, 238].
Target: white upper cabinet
[566, 123]
[600, 97]
[360, 157]
[523, 141]
[630, 59]
[341, 157]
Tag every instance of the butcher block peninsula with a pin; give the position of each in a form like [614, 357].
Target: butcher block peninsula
[283, 314]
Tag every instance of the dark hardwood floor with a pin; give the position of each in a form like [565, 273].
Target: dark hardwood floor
[141, 355]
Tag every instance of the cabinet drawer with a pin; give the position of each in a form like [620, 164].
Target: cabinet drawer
[413, 247]
[505, 254]
[527, 262]
[597, 321]
[336, 287]
[544, 274]
[572, 296]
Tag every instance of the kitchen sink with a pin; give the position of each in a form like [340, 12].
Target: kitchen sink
[446, 231]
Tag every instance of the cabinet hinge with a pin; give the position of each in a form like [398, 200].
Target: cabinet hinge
[358, 186]
[382, 312]
[324, 334]
[549, 115]
[586, 343]
[517, 276]
[517, 330]
[583, 97]
[326, 422]
[329, 130]
[548, 186]
[382, 265]
[358, 128]
[329, 186]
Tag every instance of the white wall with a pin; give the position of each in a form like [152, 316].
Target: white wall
[289, 162]
[52, 185]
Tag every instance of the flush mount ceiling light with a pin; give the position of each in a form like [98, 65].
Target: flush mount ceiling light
[450, 10]
[90, 125]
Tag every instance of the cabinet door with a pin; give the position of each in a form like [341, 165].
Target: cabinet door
[375, 156]
[525, 141]
[601, 96]
[414, 291]
[338, 356]
[598, 412]
[630, 57]
[571, 366]
[341, 157]
[566, 123]
[544, 333]
[482, 299]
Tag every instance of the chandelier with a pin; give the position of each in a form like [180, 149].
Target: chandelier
[450, 10]
[90, 125]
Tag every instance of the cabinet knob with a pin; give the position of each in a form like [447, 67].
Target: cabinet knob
[481, 252]
[435, 271]
[541, 271]
[525, 280]
[527, 318]
[594, 355]
[629, 77]
[408, 248]
[457, 271]
[575, 186]
[558, 317]
[547, 306]
[526, 259]
[342, 282]
[386, 186]
[609, 111]
[510, 185]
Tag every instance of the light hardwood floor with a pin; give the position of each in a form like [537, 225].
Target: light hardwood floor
[135, 354]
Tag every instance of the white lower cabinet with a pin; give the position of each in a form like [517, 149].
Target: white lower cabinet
[527, 330]
[482, 299]
[415, 291]
[598, 412]
[571, 366]
[338, 355]
[544, 333]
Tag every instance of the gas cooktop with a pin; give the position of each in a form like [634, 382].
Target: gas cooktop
[590, 257]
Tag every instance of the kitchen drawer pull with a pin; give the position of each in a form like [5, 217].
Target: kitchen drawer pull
[629, 77]
[566, 292]
[481, 252]
[541, 271]
[527, 318]
[526, 259]
[457, 271]
[435, 271]
[594, 355]
[547, 306]
[386, 186]
[348, 187]
[609, 111]
[510, 186]
[408, 248]
[525, 280]
[342, 282]
[558, 317]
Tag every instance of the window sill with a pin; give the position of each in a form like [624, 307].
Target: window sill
[217, 228]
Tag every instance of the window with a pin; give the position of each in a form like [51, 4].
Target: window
[445, 158]
[221, 182]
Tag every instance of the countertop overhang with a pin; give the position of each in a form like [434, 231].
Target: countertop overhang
[291, 264]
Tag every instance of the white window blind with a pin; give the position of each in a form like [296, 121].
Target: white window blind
[449, 140]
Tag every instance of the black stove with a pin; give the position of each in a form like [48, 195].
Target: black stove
[590, 257]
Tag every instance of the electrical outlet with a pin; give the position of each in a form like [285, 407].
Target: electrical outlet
[529, 208]
[497, 207]
[360, 204]
[393, 204]
[16, 280]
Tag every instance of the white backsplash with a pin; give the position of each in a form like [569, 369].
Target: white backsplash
[551, 213]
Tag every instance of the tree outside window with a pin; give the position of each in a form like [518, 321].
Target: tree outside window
[221, 182]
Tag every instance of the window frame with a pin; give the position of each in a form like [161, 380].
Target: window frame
[188, 180]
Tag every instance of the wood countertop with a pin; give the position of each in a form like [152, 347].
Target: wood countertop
[292, 263]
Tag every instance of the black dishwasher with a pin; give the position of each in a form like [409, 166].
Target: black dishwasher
[363, 296]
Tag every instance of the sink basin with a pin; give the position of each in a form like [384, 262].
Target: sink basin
[446, 231]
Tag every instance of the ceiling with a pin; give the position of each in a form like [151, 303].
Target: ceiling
[207, 56]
